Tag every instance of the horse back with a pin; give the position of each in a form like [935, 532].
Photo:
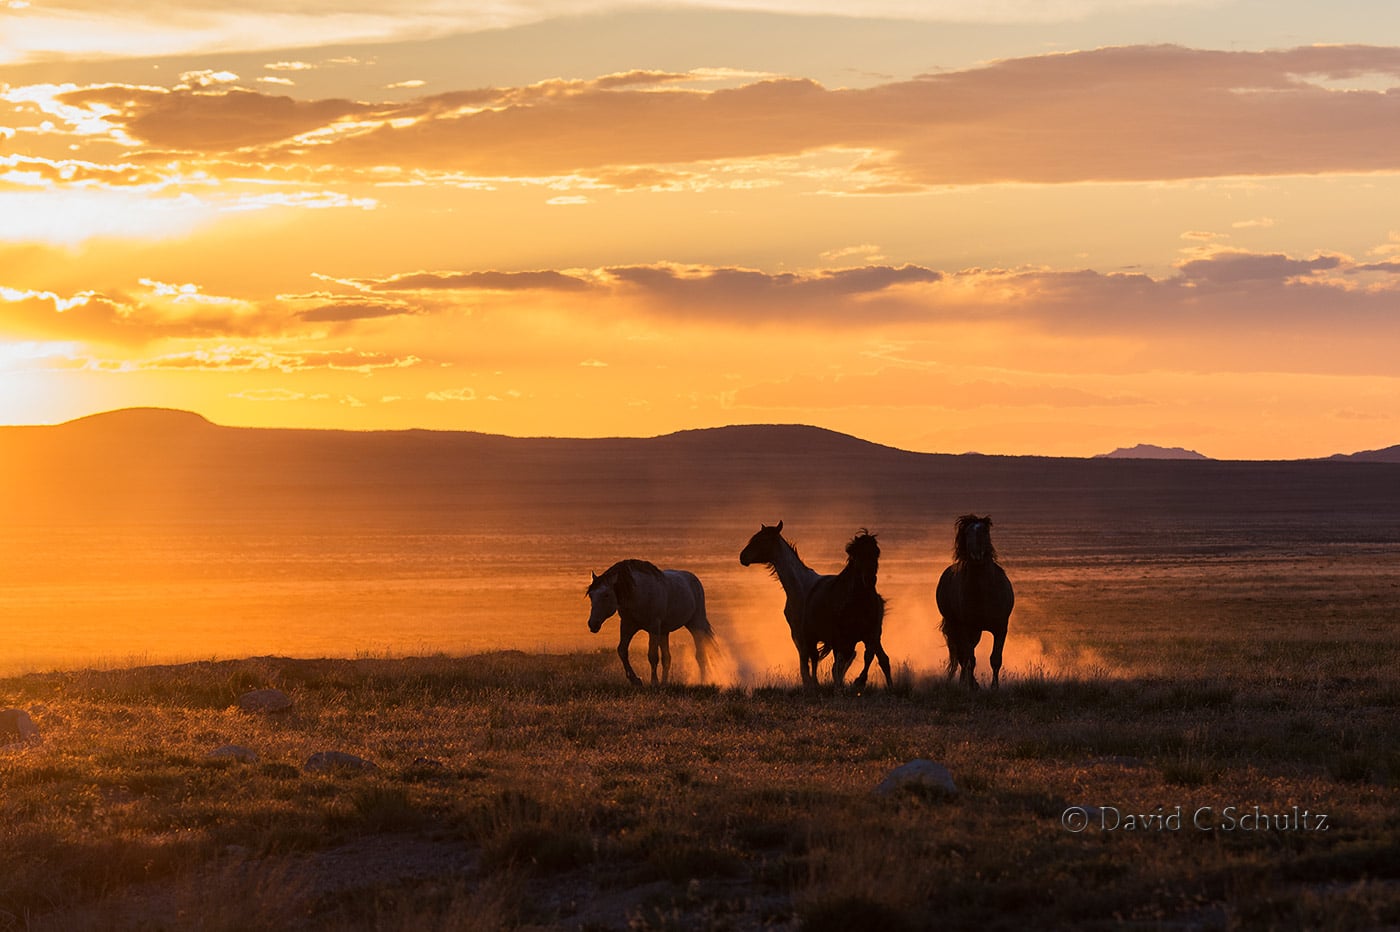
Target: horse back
[685, 598]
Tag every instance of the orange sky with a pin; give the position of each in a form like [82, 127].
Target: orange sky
[1054, 227]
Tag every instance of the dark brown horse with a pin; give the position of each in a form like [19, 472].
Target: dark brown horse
[844, 610]
[974, 595]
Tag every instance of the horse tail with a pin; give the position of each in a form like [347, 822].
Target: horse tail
[701, 620]
[823, 651]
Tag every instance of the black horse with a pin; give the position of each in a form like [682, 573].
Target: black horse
[844, 610]
[974, 595]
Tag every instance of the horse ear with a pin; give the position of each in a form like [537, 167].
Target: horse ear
[594, 575]
[780, 525]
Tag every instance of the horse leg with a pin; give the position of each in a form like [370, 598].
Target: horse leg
[954, 654]
[653, 654]
[884, 659]
[841, 664]
[998, 641]
[806, 662]
[859, 682]
[969, 658]
[809, 666]
[628, 634]
[666, 657]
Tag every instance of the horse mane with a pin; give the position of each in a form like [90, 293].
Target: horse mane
[772, 567]
[960, 554]
[863, 532]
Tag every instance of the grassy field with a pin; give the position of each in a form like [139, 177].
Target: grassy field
[519, 790]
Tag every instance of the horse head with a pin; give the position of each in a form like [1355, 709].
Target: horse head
[972, 540]
[863, 553]
[602, 599]
[763, 546]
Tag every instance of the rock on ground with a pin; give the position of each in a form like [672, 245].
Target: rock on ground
[16, 725]
[265, 700]
[920, 773]
[234, 752]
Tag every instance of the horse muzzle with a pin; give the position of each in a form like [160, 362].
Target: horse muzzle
[595, 626]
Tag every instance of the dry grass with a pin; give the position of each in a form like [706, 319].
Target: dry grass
[541, 791]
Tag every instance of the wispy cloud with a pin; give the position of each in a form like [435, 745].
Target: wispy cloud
[545, 280]
[65, 28]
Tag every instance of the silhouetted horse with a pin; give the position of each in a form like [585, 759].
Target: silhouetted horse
[845, 609]
[974, 595]
[769, 547]
[655, 601]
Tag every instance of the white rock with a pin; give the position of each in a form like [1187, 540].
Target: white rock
[918, 773]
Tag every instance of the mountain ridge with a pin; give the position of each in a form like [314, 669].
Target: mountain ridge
[1150, 451]
[166, 424]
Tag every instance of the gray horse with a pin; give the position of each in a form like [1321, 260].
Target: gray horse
[974, 595]
[768, 547]
[656, 601]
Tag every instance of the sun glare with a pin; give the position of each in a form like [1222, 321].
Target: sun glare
[71, 216]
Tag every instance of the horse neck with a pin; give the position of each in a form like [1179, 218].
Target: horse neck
[853, 577]
[794, 575]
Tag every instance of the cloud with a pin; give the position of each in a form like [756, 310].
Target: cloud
[453, 394]
[258, 359]
[30, 171]
[58, 31]
[149, 312]
[348, 311]
[1234, 267]
[547, 280]
[200, 121]
[1169, 113]
[1318, 314]
[830, 296]
[269, 394]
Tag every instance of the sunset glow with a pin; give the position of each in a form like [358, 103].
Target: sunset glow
[1025, 228]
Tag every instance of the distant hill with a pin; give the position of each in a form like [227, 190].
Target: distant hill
[135, 422]
[1387, 455]
[145, 471]
[1146, 451]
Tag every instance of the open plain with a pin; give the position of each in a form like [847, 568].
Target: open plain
[1197, 728]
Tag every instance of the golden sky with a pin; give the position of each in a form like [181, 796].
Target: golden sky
[1026, 226]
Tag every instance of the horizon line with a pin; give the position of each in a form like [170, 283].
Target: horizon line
[1117, 453]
